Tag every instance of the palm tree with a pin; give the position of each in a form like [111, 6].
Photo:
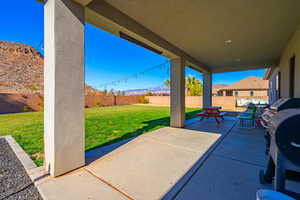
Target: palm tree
[193, 86]
[167, 83]
[190, 82]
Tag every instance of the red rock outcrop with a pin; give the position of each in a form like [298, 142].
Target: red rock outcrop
[21, 68]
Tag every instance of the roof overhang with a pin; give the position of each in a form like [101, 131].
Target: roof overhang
[211, 36]
[101, 14]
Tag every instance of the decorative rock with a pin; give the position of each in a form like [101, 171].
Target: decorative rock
[15, 184]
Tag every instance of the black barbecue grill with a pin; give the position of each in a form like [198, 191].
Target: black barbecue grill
[284, 154]
[279, 105]
[269, 113]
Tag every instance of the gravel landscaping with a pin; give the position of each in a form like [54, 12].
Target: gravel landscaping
[15, 184]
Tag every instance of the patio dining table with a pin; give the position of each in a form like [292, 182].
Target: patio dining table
[213, 111]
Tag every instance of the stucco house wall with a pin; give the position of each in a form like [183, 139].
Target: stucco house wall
[274, 86]
[250, 86]
[292, 49]
[244, 93]
[226, 102]
[247, 92]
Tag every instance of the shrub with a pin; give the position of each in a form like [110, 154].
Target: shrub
[41, 102]
[26, 109]
[97, 102]
[149, 94]
[143, 100]
[33, 88]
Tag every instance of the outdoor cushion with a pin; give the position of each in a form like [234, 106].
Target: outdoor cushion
[246, 116]
[249, 114]
[271, 195]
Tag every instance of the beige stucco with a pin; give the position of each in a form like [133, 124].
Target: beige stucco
[292, 48]
[273, 85]
[64, 86]
[225, 102]
[245, 93]
[209, 36]
[260, 93]
[207, 90]
[103, 15]
[199, 31]
[177, 92]
[200, 28]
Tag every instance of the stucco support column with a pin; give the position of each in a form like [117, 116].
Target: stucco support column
[64, 86]
[207, 90]
[177, 92]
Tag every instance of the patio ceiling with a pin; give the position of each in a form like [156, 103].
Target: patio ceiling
[212, 36]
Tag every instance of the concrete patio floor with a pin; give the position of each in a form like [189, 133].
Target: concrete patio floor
[202, 161]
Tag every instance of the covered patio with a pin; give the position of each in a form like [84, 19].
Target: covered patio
[203, 159]
[175, 31]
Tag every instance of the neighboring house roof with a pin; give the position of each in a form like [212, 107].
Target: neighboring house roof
[250, 83]
[217, 87]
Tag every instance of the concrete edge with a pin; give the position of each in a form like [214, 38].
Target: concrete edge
[178, 187]
[23, 157]
[26, 161]
[39, 176]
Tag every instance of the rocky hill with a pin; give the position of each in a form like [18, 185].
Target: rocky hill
[22, 68]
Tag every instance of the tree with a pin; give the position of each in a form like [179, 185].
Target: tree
[168, 83]
[190, 82]
[149, 94]
[195, 89]
[105, 91]
[193, 86]
[112, 91]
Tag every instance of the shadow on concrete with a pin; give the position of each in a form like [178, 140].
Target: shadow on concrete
[232, 113]
[189, 143]
[195, 124]
[228, 170]
[99, 151]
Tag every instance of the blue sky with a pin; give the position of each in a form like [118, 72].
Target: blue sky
[107, 57]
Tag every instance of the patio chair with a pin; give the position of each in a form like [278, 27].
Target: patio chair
[250, 109]
[247, 118]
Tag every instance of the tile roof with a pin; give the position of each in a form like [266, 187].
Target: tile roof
[217, 87]
[249, 83]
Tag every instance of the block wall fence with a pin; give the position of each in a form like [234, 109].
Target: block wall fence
[16, 103]
[226, 102]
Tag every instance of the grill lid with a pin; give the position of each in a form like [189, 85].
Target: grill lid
[285, 103]
[285, 127]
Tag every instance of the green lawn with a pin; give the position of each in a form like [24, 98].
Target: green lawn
[103, 126]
